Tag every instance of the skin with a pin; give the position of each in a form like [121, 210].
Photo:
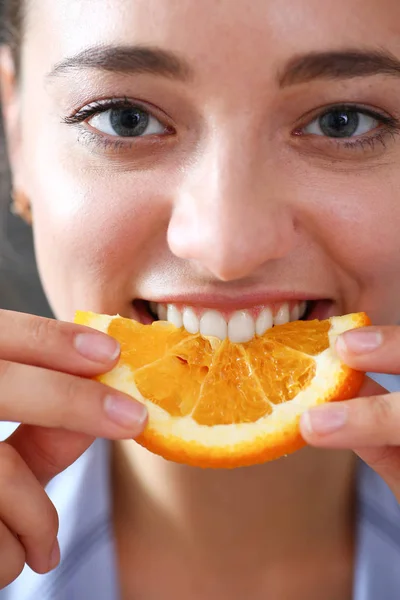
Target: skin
[234, 203]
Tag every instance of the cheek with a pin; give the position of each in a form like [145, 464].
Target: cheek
[357, 225]
[92, 232]
[364, 231]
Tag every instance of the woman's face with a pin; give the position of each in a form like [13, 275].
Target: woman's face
[214, 154]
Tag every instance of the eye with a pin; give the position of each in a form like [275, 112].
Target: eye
[130, 121]
[342, 123]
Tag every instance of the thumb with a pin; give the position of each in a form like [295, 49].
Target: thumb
[47, 452]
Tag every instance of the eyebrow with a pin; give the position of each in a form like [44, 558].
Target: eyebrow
[126, 60]
[301, 69]
[339, 65]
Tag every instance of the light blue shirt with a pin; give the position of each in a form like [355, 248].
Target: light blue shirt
[88, 570]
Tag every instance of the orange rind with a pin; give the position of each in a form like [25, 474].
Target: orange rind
[214, 403]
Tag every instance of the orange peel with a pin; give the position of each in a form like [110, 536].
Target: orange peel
[214, 403]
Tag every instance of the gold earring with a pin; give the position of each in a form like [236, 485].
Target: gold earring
[21, 206]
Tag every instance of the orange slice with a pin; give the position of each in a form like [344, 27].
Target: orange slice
[219, 404]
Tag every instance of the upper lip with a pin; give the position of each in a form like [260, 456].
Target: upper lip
[234, 300]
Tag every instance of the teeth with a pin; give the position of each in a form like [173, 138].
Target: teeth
[190, 321]
[295, 314]
[174, 316]
[213, 323]
[302, 309]
[241, 327]
[283, 315]
[162, 312]
[264, 321]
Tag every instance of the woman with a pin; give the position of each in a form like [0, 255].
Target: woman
[185, 152]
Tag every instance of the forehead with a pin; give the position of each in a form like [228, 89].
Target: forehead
[208, 30]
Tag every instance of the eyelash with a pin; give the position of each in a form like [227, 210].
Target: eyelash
[389, 126]
[369, 142]
[96, 108]
[101, 106]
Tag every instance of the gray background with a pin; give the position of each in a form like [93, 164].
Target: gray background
[20, 287]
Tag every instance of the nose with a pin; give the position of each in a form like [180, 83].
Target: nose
[227, 216]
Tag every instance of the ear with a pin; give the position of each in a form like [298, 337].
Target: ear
[10, 105]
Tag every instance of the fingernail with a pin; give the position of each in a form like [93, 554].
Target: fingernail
[124, 412]
[54, 556]
[359, 341]
[324, 420]
[99, 348]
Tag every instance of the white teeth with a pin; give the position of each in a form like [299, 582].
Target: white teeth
[190, 321]
[295, 314]
[162, 312]
[241, 327]
[283, 315]
[302, 309]
[264, 321]
[174, 316]
[213, 323]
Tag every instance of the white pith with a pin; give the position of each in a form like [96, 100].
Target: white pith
[241, 325]
[328, 368]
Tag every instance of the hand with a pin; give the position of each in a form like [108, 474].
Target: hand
[45, 371]
[369, 424]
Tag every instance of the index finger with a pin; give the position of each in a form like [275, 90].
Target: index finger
[51, 344]
[374, 349]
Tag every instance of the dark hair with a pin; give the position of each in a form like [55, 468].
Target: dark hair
[11, 16]
[10, 34]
